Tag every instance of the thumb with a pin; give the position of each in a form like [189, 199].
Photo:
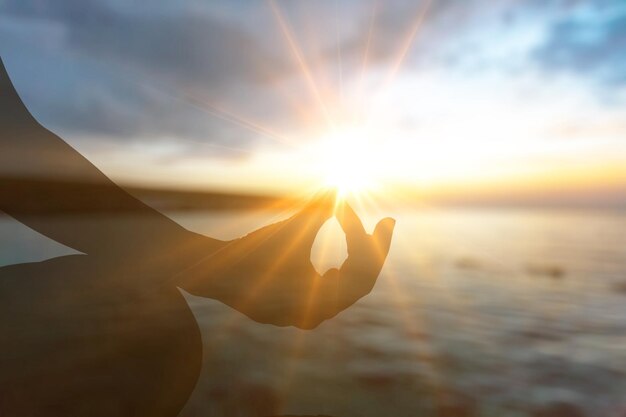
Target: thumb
[307, 222]
[383, 233]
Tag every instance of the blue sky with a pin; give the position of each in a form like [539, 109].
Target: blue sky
[219, 94]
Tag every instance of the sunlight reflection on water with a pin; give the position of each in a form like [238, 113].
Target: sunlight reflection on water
[476, 312]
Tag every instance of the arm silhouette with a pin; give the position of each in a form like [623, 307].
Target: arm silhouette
[41, 174]
[266, 274]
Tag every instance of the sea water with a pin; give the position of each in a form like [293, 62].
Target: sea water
[477, 312]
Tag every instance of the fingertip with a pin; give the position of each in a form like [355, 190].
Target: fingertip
[326, 203]
[384, 230]
[318, 210]
[321, 202]
[346, 212]
[349, 220]
[389, 222]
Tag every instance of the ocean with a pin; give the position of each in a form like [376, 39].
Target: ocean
[477, 312]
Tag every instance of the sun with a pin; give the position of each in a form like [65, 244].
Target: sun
[350, 161]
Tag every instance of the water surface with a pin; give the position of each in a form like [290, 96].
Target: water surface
[477, 312]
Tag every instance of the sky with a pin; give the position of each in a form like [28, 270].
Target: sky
[441, 97]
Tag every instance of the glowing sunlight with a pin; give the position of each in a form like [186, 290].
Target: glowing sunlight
[349, 161]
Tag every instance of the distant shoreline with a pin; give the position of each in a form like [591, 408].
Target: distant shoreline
[83, 197]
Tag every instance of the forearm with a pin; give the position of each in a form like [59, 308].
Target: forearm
[41, 175]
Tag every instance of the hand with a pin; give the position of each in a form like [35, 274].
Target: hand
[268, 274]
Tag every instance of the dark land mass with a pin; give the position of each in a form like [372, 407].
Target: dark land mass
[91, 198]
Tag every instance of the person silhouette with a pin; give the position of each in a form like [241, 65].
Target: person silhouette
[107, 332]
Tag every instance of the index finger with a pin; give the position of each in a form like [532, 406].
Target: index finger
[350, 223]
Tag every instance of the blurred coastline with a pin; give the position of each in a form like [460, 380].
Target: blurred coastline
[611, 198]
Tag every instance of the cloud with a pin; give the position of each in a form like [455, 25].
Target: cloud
[188, 46]
[590, 43]
[130, 75]
[113, 68]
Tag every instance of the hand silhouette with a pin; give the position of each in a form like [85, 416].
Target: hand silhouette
[268, 274]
